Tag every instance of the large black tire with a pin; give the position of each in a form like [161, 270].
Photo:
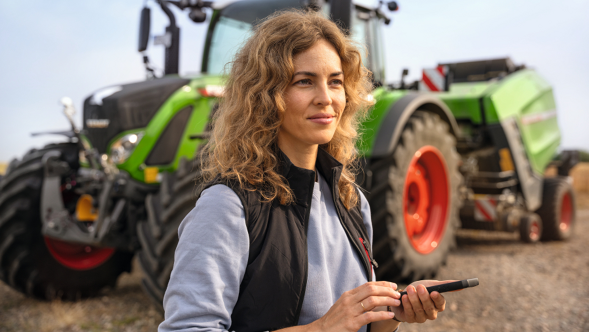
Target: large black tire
[158, 234]
[26, 264]
[558, 210]
[398, 258]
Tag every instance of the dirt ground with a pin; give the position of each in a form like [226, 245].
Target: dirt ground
[541, 287]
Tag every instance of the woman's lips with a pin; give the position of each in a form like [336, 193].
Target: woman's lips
[322, 119]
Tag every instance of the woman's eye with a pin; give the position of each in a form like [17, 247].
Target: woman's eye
[337, 82]
[305, 81]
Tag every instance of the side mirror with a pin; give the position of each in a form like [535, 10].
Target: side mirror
[393, 6]
[144, 26]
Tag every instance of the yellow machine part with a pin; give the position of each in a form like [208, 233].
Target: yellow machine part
[151, 174]
[85, 211]
[505, 161]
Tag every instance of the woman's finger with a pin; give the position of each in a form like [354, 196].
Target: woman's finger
[429, 307]
[372, 302]
[380, 288]
[408, 309]
[439, 301]
[375, 316]
[420, 316]
[368, 285]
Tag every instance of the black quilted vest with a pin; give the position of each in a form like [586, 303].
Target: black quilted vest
[272, 290]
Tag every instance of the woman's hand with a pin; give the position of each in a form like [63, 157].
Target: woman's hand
[418, 305]
[354, 308]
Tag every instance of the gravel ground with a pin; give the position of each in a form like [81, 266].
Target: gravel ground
[540, 287]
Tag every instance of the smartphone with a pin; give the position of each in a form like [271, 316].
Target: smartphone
[451, 286]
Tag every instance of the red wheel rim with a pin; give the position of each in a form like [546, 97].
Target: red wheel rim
[534, 231]
[425, 199]
[77, 256]
[566, 212]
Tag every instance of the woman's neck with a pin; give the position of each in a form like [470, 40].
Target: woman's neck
[301, 156]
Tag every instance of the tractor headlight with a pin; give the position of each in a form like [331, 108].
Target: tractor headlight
[122, 148]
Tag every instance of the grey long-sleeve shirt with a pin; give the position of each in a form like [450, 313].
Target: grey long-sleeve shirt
[212, 255]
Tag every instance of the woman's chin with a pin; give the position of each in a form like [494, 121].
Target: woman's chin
[307, 138]
[323, 139]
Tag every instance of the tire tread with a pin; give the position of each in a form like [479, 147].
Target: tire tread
[158, 234]
[423, 128]
[549, 211]
[25, 262]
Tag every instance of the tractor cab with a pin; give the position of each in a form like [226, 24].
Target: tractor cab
[117, 120]
[232, 23]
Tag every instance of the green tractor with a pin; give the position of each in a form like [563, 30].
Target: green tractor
[470, 151]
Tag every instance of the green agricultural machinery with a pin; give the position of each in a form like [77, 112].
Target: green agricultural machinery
[467, 146]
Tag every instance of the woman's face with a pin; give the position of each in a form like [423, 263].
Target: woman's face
[315, 98]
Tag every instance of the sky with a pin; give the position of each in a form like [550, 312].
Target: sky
[51, 49]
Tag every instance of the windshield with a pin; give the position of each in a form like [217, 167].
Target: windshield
[228, 37]
[232, 27]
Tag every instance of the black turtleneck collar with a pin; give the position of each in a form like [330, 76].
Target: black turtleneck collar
[301, 180]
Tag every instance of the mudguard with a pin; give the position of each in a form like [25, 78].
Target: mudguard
[393, 123]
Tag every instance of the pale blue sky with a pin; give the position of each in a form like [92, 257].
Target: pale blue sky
[51, 49]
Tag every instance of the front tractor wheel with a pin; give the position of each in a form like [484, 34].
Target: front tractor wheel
[41, 266]
[415, 201]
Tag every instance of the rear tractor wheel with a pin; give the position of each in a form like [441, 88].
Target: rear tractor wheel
[41, 266]
[414, 199]
[558, 209]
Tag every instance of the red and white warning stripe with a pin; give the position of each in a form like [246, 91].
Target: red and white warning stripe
[434, 79]
[485, 209]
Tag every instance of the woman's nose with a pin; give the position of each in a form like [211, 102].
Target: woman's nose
[322, 95]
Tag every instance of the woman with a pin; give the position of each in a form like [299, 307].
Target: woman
[280, 236]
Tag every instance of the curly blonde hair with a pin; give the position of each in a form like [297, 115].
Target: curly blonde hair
[243, 143]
